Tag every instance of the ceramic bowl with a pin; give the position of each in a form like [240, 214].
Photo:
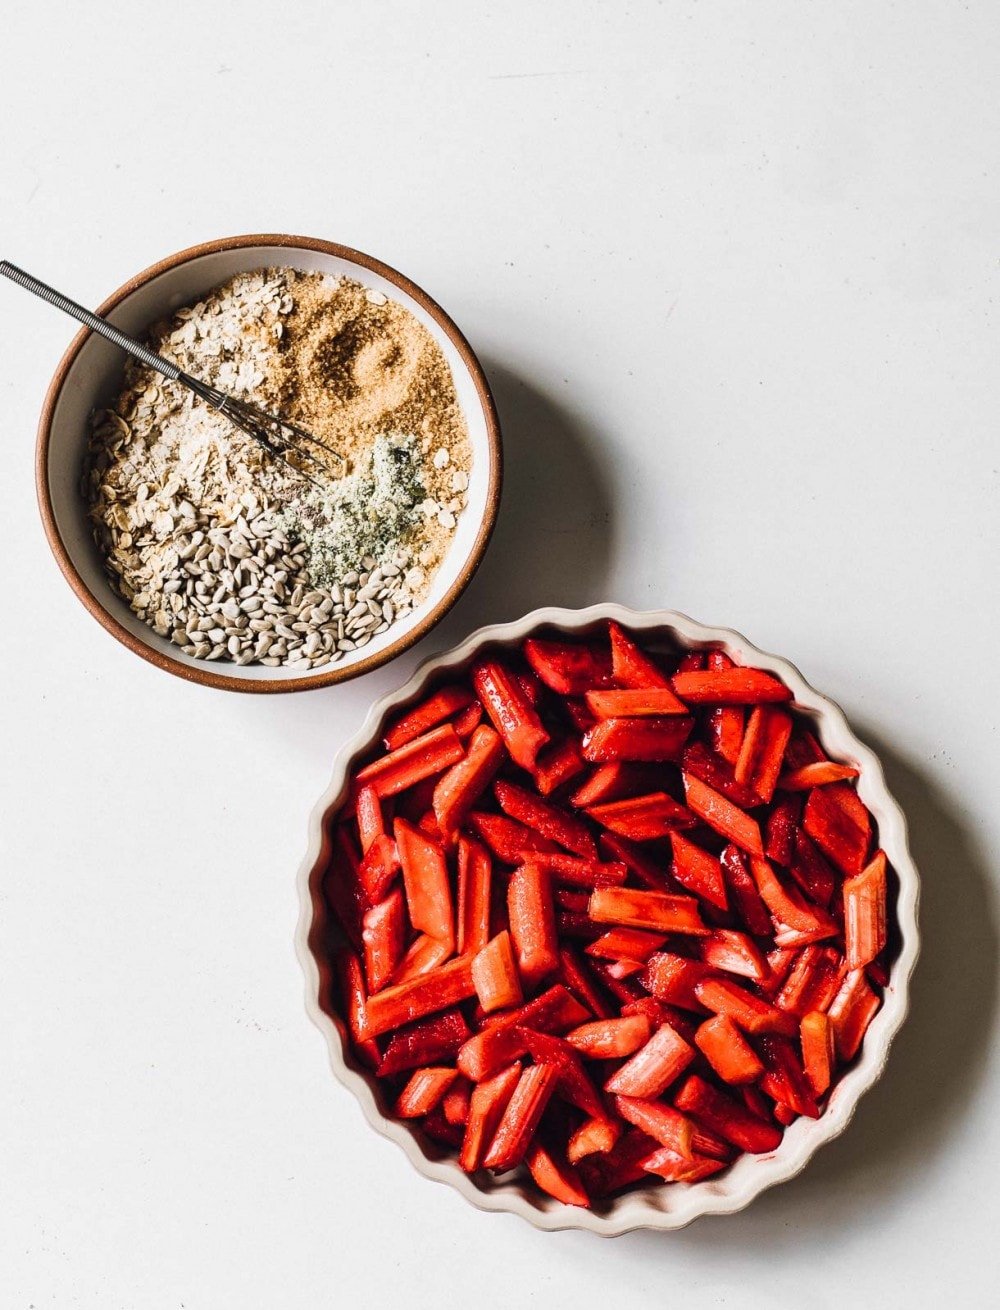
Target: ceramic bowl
[90, 372]
[654, 1206]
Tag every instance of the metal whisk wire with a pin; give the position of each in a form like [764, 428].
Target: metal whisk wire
[280, 438]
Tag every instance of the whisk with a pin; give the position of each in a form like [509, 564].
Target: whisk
[281, 439]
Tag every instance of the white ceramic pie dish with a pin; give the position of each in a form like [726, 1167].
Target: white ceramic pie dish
[655, 1206]
[91, 370]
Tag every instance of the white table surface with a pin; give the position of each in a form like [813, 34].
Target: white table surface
[733, 270]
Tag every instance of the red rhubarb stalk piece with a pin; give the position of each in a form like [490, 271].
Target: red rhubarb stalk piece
[593, 1137]
[851, 1011]
[570, 670]
[746, 1010]
[457, 1100]
[475, 873]
[779, 963]
[657, 911]
[626, 944]
[557, 765]
[745, 896]
[458, 790]
[654, 1066]
[794, 938]
[632, 667]
[693, 661]
[722, 815]
[509, 840]
[514, 717]
[532, 923]
[661, 1122]
[839, 824]
[418, 759]
[430, 1041]
[718, 774]
[556, 1010]
[495, 976]
[342, 890]
[383, 933]
[698, 871]
[611, 1039]
[812, 982]
[728, 1051]
[725, 722]
[763, 749]
[722, 1115]
[370, 824]
[565, 829]
[784, 902]
[575, 974]
[654, 739]
[733, 952]
[865, 913]
[784, 1079]
[437, 990]
[423, 954]
[378, 868]
[424, 1091]
[812, 871]
[428, 714]
[522, 1116]
[574, 1084]
[818, 1051]
[639, 862]
[643, 818]
[354, 999]
[468, 720]
[736, 686]
[609, 782]
[577, 872]
[675, 1168]
[820, 774]
[486, 1107]
[555, 1176]
[673, 979]
[622, 1165]
[425, 879]
[803, 749]
[638, 703]
[781, 830]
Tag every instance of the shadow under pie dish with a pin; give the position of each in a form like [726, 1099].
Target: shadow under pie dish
[630, 1026]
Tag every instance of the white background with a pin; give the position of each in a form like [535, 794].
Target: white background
[733, 270]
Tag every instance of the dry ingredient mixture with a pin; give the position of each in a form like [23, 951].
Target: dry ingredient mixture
[227, 551]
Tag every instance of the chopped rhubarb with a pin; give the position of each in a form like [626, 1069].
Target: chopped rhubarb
[746, 1010]
[593, 1137]
[782, 827]
[632, 667]
[746, 897]
[643, 818]
[736, 686]
[637, 739]
[784, 902]
[557, 765]
[370, 823]
[486, 1108]
[574, 1084]
[577, 872]
[513, 715]
[818, 1051]
[429, 1041]
[733, 952]
[610, 782]
[626, 944]
[384, 935]
[721, 814]
[611, 1039]
[555, 1176]
[779, 964]
[675, 1168]
[840, 825]
[474, 884]
[819, 774]
[812, 871]
[495, 976]
[354, 998]
[784, 1079]
[570, 670]
[420, 996]
[622, 1165]
[728, 1051]
[639, 703]
[521, 1117]
[722, 1115]
[693, 661]
[425, 878]
[424, 1091]
[555, 1010]
[763, 749]
[851, 1011]
[532, 923]
[575, 974]
[379, 866]
[457, 1101]
[342, 890]
[812, 982]
[717, 773]
[509, 840]
[725, 722]
[865, 913]
[458, 790]
[637, 861]
[418, 759]
[423, 954]
[428, 714]
[468, 720]
[698, 871]
[654, 1066]
[661, 1122]
[546, 819]
[657, 911]
[673, 979]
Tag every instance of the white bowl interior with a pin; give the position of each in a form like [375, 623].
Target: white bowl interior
[95, 375]
[654, 1206]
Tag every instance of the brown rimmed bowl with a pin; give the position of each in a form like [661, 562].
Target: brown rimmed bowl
[657, 1206]
[90, 373]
